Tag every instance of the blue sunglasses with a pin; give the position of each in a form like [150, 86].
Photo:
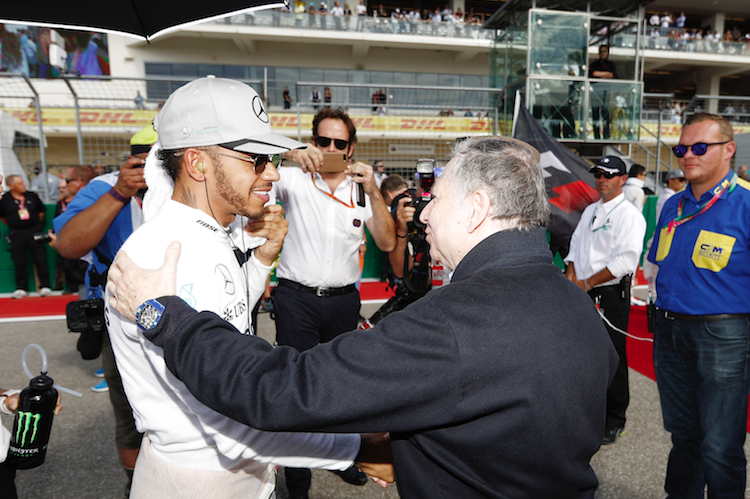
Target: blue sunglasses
[698, 149]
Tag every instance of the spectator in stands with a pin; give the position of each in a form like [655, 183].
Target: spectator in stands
[654, 20]
[729, 112]
[680, 21]
[468, 113]
[327, 96]
[602, 68]
[287, 99]
[743, 113]
[652, 39]
[23, 212]
[139, 101]
[299, 13]
[315, 97]
[311, 17]
[666, 20]
[337, 12]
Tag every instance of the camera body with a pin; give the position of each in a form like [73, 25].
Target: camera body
[42, 238]
[87, 317]
[426, 171]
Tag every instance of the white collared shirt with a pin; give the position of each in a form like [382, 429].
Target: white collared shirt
[322, 245]
[608, 235]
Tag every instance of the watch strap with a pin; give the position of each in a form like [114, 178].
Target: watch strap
[113, 192]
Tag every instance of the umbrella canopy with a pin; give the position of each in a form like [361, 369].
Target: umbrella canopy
[144, 19]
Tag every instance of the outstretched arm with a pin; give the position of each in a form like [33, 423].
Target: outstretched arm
[86, 229]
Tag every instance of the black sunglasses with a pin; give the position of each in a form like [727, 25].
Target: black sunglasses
[325, 142]
[259, 161]
[71, 179]
[698, 149]
[607, 175]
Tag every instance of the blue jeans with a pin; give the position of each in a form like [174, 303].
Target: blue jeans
[703, 375]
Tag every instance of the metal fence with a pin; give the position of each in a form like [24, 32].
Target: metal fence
[90, 120]
[21, 140]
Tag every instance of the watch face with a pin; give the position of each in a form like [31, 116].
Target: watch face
[149, 315]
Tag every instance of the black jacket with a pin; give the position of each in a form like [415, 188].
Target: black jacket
[492, 386]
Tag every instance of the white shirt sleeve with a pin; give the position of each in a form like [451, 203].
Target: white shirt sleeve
[627, 246]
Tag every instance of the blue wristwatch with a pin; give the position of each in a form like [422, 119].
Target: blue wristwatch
[148, 314]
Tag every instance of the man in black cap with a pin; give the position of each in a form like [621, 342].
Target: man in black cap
[604, 253]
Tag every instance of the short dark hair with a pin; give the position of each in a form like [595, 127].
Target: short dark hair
[84, 172]
[336, 114]
[391, 183]
[636, 170]
[171, 161]
[12, 180]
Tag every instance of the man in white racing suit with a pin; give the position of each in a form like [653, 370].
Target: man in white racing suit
[217, 146]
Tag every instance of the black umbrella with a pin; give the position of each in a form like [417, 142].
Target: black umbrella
[141, 18]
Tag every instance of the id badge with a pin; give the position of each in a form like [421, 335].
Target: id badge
[665, 243]
[23, 213]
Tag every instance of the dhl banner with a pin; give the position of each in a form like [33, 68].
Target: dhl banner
[281, 122]
[287, 123]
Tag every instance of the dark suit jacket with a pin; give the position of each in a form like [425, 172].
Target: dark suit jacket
[492, 386]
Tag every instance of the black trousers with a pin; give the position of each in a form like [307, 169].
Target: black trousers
[7, 484]
[615, 304]
[21, 241]
[302, 321]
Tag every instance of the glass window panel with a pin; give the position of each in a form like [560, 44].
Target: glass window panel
[185, 70]
[427, 79]
[235, 72]
[311, 74]
[335, 75]
[558, 40]
[158, 69]
[211, 69]
[558, 106]
[381, 77]
[614, 110]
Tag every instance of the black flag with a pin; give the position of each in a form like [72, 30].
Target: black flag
[570, 186]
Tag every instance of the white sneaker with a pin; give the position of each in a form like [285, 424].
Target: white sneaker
[19, 293]
[45, 292]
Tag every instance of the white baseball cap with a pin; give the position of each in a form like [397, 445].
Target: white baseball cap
[214, 111]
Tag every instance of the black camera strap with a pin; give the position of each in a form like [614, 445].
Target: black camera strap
[95, 278]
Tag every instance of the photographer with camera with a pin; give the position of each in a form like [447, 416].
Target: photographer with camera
[96, 223]
[23, 212]
[410, 260]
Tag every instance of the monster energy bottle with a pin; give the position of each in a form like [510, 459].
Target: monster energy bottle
[31, 428]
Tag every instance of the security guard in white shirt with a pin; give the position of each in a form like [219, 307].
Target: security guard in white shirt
[316, 299]
[604, 253]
